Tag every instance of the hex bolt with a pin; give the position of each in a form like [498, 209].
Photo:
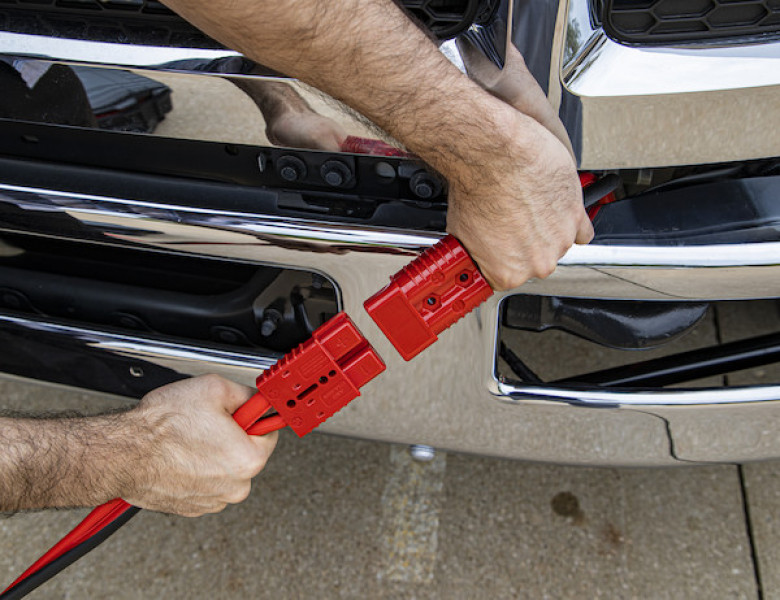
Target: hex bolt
[422, 453]
[270, 323]
[424, 185]
[291, 168]
[336, 173]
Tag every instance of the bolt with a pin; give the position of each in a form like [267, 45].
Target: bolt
[422, 453]
[289, 174]
[334, 178]
[267, 328]
[423, 189]
[291, 168]
[270, 323]
[424, 185]
[335, 173]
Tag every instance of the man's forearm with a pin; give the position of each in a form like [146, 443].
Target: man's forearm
[65, 462]
[514, 196]
[368, 54]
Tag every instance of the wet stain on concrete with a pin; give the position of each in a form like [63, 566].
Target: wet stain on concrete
[612, 537]
[566, 504]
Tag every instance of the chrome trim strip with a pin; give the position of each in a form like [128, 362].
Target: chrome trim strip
[107, 54]
[595, 398]
[134, 56]
[595, 65]
[679, 272]
[608, 69]
[282, 227]
[634, 108]
[716, 255]
[148, 349]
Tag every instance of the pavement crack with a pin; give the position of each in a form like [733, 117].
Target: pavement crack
[749, 531]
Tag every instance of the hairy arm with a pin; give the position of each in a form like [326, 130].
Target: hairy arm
[515, 201]
[66, 462]
[179, 451]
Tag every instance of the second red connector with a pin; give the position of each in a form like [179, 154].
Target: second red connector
[427, 296]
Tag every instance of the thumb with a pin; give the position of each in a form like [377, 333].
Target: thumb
[585, 231]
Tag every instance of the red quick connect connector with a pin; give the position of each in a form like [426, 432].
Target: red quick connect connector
[316, 379]
[427, 296]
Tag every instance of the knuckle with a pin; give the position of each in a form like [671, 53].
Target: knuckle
[215, 384]
[251, 463]
[239, 494]
[544, 268]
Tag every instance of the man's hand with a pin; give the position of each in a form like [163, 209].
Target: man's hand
[179, 451]
[519, 213]
[516, 202]
[198, 459]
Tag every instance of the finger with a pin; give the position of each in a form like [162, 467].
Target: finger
[264, 446]
[585, 232]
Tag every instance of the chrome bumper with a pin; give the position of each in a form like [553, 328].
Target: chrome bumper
[609, 95]
[444, 397]
[624, 108]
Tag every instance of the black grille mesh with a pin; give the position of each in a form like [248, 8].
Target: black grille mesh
[681, 21]
[149, 22]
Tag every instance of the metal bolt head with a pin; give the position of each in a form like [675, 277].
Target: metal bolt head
[422, 453]
[288, 173]
[424, 185]
[336, 173]
[291, 168]
[268, 327]
[423, 190]
[334, 178]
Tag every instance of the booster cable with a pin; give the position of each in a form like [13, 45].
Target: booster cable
[323, 374]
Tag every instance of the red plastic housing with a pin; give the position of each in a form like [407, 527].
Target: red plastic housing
[359, 145]
[427, 296]
[316, 379]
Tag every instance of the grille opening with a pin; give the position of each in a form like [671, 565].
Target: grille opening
[147, 22]
[687, 21]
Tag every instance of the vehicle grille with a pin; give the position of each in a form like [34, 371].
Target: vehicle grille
[148, 22]
[688, 21]
[144, 22]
